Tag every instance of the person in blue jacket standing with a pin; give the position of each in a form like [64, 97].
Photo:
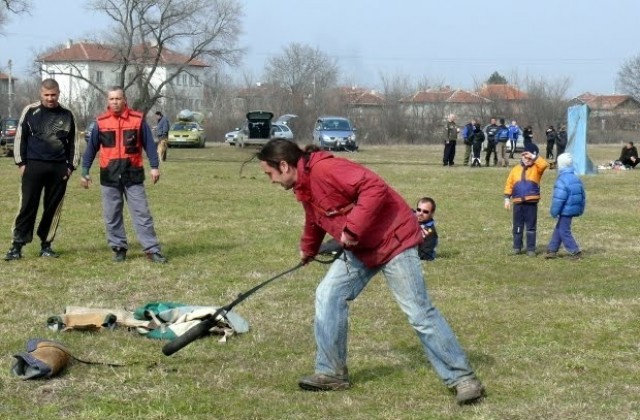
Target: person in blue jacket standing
[514, 133]
[568, 201]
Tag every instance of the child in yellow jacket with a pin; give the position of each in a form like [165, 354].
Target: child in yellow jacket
[523, 190]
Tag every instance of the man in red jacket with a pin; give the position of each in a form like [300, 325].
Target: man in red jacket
[379, 233]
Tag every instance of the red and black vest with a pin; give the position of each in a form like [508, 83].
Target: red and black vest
[120, 139]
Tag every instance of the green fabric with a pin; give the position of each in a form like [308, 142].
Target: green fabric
[155, 308]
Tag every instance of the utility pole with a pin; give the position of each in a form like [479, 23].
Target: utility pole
[10, 90]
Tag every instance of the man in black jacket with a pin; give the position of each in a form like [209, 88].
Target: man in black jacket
[629, 155]
[491, 131]
[46, 153]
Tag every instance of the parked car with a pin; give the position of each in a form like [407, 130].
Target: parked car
[88, 130]
[259, 129]
[335, 133]
[232, 136]
[8, 127]
[281, 131]
[186, 134]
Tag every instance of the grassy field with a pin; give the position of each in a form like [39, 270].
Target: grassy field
[553, 339]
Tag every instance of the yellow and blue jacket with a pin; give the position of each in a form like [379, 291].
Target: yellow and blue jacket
[523, 183]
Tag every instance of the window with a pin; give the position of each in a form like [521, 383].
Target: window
[99, 77]
[184, 79]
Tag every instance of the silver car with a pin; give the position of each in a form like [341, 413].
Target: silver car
[281, 131]
[335, 133]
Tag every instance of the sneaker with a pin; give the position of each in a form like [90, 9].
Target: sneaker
[531, 253]
[15, 253]
[322, 382]
[120, 254]
[576, 255]
[516, 252]
[550, 255]
[156, 257]
[469, 391]
[46, 251]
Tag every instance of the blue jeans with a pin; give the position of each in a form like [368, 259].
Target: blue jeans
[562, 235]
[343, 283]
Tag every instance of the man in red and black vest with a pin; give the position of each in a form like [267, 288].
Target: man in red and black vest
[120, 134]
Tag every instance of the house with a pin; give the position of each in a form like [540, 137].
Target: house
[611, 111]
[4, 84]
[85, 69]
[440, 102]
[7, 96]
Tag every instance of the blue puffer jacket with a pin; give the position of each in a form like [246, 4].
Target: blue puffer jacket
[569, 197]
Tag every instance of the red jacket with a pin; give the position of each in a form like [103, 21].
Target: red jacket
[339, 195]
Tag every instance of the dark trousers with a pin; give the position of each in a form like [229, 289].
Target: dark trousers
[562, 235]
[629, 162]
[40, 176]
[560, 150]
[449, 152]
[477, 148]
[550, 145]
[491, 148]
[525, 216]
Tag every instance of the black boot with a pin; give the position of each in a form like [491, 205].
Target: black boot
[15, 253]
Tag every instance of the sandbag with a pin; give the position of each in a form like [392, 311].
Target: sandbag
[43, 359]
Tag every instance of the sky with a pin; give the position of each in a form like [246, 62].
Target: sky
[459, 43]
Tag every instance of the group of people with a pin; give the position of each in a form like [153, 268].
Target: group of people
[501, 140]
[47, 154]
[377, 230]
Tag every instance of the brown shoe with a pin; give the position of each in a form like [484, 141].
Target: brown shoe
[550, 255]
[322, 382]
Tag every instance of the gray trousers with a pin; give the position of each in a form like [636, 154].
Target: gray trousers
[112, 209]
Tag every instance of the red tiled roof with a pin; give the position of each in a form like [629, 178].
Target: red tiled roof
[368, 98]
[504, 92]
[4, 76]
[463, 97]
[429, 96]
[604, 102]
[87, 51]
[584, 97]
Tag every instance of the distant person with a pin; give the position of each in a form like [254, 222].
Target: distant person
[514, 134]
[502, 137]
[490, 130]
[380, 235]
[477, 139]
[527, 135]
[568, 201]
[523, 189]
[451, 137]
[425, 211]
[120, 134]
[551, 134]
[629, 155]
[467, 131]
[46, 153]
[162, 131]
[561, 140]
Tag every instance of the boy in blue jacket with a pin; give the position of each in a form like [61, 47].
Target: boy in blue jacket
[568, 201]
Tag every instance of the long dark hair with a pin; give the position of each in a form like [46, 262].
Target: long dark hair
[278, 150]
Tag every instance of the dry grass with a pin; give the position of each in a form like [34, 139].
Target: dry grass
[550, 339]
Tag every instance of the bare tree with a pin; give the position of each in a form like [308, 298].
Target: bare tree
[12, 6]
[147, 34]
[629, 77]
[306, 73]
[546, 103]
